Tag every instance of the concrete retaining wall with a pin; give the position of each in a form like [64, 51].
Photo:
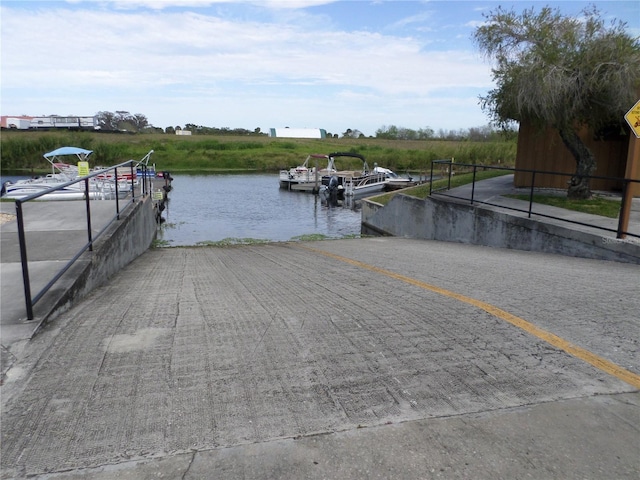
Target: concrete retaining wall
[128, 238]
[435, 219]
[125, 240]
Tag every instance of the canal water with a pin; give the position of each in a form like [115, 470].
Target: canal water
[242, 208]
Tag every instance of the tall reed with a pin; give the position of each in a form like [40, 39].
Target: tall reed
[22, 151]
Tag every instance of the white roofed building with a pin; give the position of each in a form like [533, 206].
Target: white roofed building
[298, 132]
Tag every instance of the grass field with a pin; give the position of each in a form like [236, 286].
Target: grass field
[422, 191]
[596, 205]
[22, 151]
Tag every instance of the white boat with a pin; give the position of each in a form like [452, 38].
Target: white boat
[358, 183]
[394, 181]
[307, 178]
[24, 188]
[100, 187]
[366, 184]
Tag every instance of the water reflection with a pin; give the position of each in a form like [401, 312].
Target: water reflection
[211, 208]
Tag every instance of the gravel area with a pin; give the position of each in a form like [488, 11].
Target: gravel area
[6, 217]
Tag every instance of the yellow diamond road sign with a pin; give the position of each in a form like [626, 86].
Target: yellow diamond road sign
[633, 118]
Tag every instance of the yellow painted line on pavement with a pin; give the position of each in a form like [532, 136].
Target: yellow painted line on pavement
[552, 339]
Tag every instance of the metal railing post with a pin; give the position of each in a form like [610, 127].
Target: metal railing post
[88, 196]
[146, 181]
[431, 179]
[473, 183]
[133, 182]
[23, 260]
[533, 182]
[623, 211]
[143, 180]
[115, 173]
[450, 170]
[88, 207]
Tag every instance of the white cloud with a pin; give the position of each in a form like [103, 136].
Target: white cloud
[475, 24]
[186, 47]
[181, 67]
[164, 4]
[413, 19]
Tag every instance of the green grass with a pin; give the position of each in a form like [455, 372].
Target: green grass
[159, 243]
[422, 191]
[22, 151]
[596, 205]
[310, 237]
[227, 242]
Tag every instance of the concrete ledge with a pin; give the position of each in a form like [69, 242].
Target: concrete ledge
[438, 219]
[125, 240]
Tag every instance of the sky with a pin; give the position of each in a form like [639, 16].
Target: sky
[337, 65]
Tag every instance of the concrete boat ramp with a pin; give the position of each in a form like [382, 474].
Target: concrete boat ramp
[363, 358]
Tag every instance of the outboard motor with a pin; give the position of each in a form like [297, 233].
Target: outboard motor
[333, 189]
[167, 181]
[4, 188]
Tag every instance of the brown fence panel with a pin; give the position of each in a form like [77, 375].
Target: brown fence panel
[544, 150]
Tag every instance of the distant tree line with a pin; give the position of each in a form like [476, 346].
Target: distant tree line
[476, 134]
[202, 130]
[123, 121]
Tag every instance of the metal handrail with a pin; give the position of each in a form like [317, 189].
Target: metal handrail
[620, 232]
[145, 189]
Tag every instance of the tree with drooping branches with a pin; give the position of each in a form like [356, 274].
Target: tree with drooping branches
[561, 72]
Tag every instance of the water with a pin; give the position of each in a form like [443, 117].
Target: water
[212, 208]
[12, 178]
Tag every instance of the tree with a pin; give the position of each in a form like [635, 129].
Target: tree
[479, 134]
[122, 120]
[425, 133]
[140, 121]
[355, 133]
[561, 72]
[107, 120]
[406, 134]
[390, 132]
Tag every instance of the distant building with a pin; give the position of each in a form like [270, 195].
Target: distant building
[52, 122]
[298, 132]
[183, 132]
[20, 122]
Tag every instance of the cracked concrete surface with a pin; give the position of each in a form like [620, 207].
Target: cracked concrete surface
[274, 361]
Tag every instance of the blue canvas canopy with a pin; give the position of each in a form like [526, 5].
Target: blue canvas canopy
[79, 152]
[56, 162]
